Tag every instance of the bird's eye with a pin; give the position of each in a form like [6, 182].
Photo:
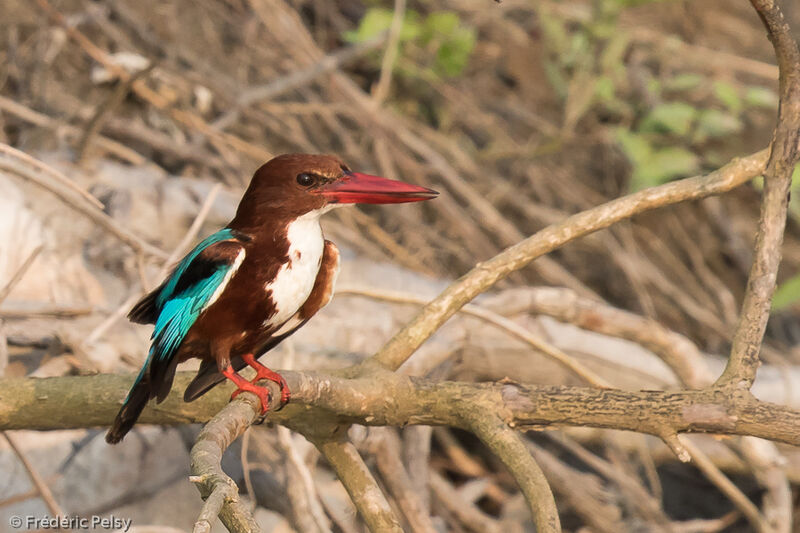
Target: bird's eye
[306, 180]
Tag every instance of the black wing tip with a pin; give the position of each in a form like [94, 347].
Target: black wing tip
[145, 312]
[201, 384]
[192, 395]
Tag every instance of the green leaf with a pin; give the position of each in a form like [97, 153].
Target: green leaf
[377, 20]
[604, 89]
[728, 95]
[453, 55]
[761, 97]
[555, 77]
[684, 82]
[712, 123]
[453, 43]
[440, 23]
[794, 194]
[580, 50]
[631, 3]
[635, 146]
[787, 294]
[554, 32]
[654, 88]
[664, 165]
[612, 59]
[673, 117]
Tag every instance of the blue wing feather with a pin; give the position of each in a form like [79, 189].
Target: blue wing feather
[179, 313]
[172, 283]
[180, 301]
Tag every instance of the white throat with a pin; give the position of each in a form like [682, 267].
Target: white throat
[295, 280]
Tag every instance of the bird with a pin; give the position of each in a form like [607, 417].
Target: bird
[245, 288]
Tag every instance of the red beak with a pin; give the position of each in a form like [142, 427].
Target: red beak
[357, 188]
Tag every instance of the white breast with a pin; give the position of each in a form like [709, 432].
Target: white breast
[295, 280]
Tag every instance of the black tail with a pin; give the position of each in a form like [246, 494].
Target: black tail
[131, 409]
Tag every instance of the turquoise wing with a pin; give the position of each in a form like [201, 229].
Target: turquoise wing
[196, 281]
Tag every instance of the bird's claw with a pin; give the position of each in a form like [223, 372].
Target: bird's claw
[263, 372]
[263, 394]
[278, 379]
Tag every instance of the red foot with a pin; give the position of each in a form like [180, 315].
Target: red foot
[243, 385]
[263, 372]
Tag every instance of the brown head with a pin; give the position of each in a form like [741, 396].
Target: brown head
[292, 185]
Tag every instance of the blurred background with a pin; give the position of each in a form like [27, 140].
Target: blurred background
[520, 113]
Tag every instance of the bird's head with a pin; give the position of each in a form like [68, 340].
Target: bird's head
[295, 184]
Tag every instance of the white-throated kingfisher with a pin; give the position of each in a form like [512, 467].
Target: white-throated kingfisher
[248, 286]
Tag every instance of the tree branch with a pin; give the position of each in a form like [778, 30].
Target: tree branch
[496, 434]
[385, 445]
[486, 274]
[219, 491]
[321, 400]
[743, 363]
[360, 485]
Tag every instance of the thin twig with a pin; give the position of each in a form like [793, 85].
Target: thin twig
[42, 488]
[77, 201]
[466, 512]
[768, 467]
[670, 438]
[23, 496]
[297, 79]
[4, 292]
[645, 502]
[179, 250]
[20, 273]
[308, 503]
[111, 319]
[591, 501]
[565, 305]
[44, 311]
[33, 117]
[102, 113]
[385, 445]
[154, 98]
[725, 485]
[501, 322]
[194, 229]
[12, 152]
[416, 457]
[246, 467]
[304, 499]
[381, 90]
